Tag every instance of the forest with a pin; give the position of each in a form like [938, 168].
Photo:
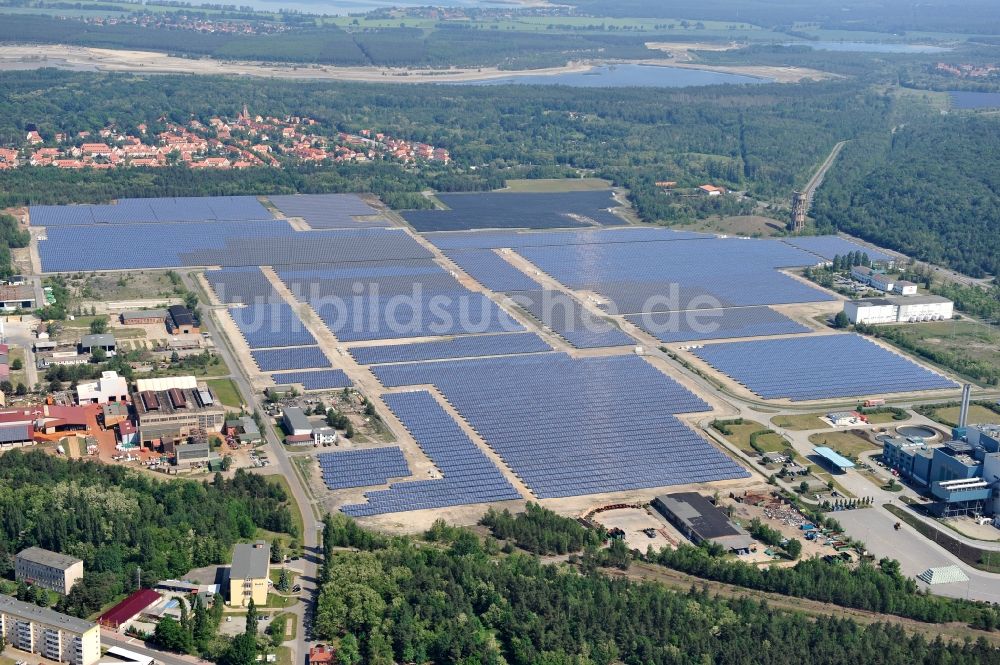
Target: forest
[930, 190]
[461, 601]
[117, 520]
[541, 531]
[764, 138]
[449, 45]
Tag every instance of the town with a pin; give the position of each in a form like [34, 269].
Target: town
[244, 142]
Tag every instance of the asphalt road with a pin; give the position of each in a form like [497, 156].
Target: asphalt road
[308, 564]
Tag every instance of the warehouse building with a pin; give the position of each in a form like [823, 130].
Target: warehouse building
[49, 570]
[189, 454]
[13, 298]
[899, 309]
[174, 415]
[48, 633]
[144, 317]
[105, 341]
[249, 576]
[124, 613]
[700, 520]
[295, 422]
[181, 321]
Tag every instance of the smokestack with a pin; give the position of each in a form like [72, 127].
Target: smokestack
[959, 433]
[963, 414]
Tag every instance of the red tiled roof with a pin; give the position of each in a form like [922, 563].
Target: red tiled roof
[129, 608]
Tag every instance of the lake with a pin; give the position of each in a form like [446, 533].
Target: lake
[870, 47]
[622, 76]
[974, 100]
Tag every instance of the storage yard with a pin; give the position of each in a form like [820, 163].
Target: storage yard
[508, 364]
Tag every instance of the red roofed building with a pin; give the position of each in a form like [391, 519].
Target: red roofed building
[119, 616]
[321, 655]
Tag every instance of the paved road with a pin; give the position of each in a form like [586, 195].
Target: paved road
[112, 639]
[308, 565]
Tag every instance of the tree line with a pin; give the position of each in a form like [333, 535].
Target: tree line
[460, 601]
[118, 520]
[541, 531]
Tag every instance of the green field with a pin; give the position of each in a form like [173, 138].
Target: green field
[800, 422]
[847, 444]
[226, 392]
[556, 185]
[977, 414]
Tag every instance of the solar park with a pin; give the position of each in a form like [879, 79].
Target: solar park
[551, 391]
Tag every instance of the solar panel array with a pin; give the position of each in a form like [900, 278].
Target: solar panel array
[249, 243]
[607, 425]
[362, 468]
[459, 347]
[324, 379]
[828, 247]
[655, 276]
[819, 367]
[570, 320]
[492, 271]
[270, 325]
[703, 324]
[328, 211]
[450, 240]
[297, 357]
[153, 210]
[469, 475]
[242, 286]
[505, 210]
[416, 300]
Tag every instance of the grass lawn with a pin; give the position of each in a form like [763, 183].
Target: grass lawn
[226, 391]
[277, 601]
[977, 414]
[557, 185]
[291, 624]
[17, 375]
[276, 574]
[847, 444]
[741, 434]
[884, 418]
[284, 655]
[800, 422]
[293, 505]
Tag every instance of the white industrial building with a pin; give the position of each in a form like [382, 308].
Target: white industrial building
[904, 288]
[899, 310]
[109, 388]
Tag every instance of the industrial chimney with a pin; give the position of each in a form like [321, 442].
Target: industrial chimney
[959, 433]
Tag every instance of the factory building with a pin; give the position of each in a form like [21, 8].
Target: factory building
[899, 309]
[172, 416]
[700, 520]
[49, 570]
[48, 633]
[109, 388]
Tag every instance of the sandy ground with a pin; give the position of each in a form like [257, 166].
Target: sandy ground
[78, 58]
[681, 53]
[110, 60]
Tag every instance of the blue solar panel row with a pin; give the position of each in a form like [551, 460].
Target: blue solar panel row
[819, 367]
[152, 210]
[608, 424]
[469, 475]
[450, 240]
[459, 347]
[328, 211]
[299, 357]
[252, 243]
[828, 247]
[652, 276]
[362, 468]
[270, 325]
[568, 318]
[703, 324]
[492, 271]
[324, 379]
[425, 301]
[242, 286]
[506, 210]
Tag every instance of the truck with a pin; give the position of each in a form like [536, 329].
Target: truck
[874, 402]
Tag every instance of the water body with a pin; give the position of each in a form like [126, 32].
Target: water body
[344, 7]
[870, 47]
[623, 76]
[974, 100]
